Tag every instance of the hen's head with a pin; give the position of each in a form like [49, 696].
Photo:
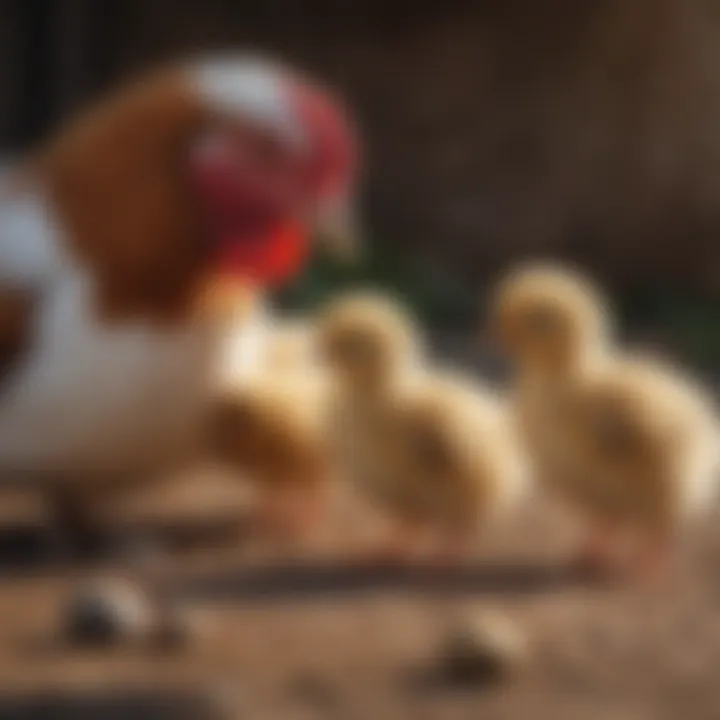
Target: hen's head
[221, 168]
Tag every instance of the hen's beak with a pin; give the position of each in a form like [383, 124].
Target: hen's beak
[338, 231]
[226, 297]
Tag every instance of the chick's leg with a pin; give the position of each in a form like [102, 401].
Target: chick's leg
[653, 556]
[594, 558]
[293, 514]
[451, 548]
[271, 513]
[307, 509]
[397, 543]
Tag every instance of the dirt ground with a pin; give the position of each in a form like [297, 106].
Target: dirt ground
[322, 637]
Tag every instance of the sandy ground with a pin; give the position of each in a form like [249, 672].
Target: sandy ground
[323, 638]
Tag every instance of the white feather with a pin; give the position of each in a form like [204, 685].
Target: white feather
[29, 248]
[243, 346]
[93, 400]
[251, 88]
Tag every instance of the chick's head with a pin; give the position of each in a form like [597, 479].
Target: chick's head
[549, 318]
[368, 340]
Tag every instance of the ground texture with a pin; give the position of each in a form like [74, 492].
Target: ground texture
[322, 638]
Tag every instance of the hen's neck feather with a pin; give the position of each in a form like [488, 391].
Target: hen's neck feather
[116, 180]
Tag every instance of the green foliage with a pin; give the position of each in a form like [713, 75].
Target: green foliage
[690, 321]
[380, 266]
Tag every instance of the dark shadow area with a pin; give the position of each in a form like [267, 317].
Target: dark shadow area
[306, 581]
[27, 548]
[23, 547]
[425, 681]
[178, 535]
[120, 704]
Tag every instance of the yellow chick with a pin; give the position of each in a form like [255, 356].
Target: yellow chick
[431, 450]
[290, 346]
[261, 342]
[630, 443]
[271, 427]
[267, 409]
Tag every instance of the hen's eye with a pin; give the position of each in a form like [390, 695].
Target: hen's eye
[267, 150]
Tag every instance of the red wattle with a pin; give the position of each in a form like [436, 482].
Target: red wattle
[272, 259]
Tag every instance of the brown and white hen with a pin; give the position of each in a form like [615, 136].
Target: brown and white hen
[125, 238]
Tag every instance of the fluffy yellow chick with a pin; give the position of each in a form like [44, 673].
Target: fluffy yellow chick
[268, 404]
[271, 427]
[431, 450]
[630, 443]
[290, 346]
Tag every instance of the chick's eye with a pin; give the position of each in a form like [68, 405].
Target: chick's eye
[353, 347]
[540, 320]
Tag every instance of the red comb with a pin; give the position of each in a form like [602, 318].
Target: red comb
[270, 260]
[332, 138]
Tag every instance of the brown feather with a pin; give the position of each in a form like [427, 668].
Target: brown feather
[116, 179]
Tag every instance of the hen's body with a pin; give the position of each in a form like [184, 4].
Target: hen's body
[86, 398]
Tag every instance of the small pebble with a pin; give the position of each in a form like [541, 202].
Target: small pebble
[106, 612]
[224, 702]
[482, 648]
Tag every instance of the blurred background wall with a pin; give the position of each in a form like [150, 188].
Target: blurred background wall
[588, 129]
